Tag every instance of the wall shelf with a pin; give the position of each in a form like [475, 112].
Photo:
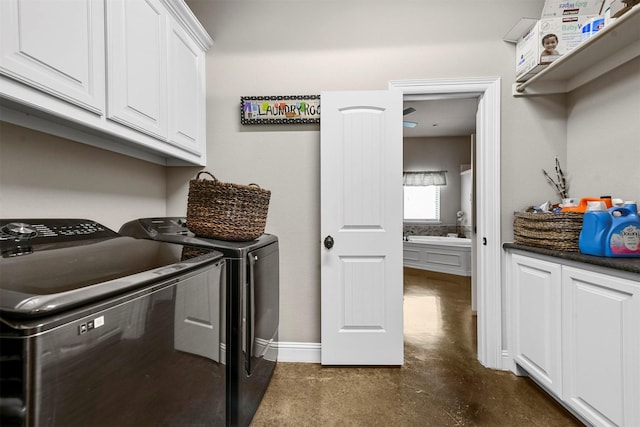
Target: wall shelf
[615, 45]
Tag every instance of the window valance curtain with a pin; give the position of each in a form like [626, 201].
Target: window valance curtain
[424, 178]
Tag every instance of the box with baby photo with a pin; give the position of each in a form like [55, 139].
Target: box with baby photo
[546, 41]
[558, 8]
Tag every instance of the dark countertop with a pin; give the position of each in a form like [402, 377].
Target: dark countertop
[625, 264]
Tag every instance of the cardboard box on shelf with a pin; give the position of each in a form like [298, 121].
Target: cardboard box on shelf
[620, 7]
[562, 8]
[545, 42]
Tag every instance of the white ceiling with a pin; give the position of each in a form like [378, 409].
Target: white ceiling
[441, 117]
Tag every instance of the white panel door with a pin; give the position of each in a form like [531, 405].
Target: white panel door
[56, 47]
[186, 91]
[361, 214]
[137, 65]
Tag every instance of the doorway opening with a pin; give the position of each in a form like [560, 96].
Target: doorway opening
[438, 155]
[487, 252]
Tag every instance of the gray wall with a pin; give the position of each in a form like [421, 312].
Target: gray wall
[305, 47]
[287, 47]
[603, 136]
[45, 176]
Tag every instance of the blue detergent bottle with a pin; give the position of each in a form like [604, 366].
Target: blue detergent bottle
[623, 238]
[596, 223]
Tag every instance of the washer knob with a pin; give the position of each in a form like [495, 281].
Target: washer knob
[20, 230]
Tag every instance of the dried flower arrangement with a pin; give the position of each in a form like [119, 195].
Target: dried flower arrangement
[560, 185]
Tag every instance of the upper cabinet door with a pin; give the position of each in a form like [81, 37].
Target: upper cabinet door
[136, 63]
[186, 83]
[56, 47]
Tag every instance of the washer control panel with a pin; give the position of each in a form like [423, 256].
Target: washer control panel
[42, 231]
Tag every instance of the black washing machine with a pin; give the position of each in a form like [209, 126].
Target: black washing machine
[97, 328]
[252, 309]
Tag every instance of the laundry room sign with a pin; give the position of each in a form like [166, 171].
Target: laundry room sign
[297, 109]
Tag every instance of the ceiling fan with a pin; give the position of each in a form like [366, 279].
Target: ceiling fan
[405, 123]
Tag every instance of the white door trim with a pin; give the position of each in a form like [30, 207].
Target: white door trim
[488, 199]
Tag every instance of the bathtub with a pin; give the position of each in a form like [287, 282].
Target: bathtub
[442, 254]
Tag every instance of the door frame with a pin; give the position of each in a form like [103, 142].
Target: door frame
[489, 259]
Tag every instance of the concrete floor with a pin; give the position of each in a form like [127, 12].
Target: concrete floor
[440, 384]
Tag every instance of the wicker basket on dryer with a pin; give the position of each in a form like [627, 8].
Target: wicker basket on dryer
[557, 231]
[225, 211]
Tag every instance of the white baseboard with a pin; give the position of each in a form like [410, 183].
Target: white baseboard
[301, 352]
[310, 352]
[508, 364]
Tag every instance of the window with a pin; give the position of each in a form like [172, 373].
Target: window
[422, 195]
[422, 203]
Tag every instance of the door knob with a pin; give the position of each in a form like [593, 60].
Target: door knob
[328, 242]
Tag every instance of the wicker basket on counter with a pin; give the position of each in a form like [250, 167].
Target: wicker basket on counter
[557, 231]
[224, 211]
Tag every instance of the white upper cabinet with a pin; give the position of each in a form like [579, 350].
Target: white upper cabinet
[137, 61]
[186, 84]
[156, 74]
[123, 75]
[56, 47]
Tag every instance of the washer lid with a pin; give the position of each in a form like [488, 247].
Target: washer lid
[55, 273]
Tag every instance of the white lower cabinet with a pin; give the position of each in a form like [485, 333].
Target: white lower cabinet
[576, 332]
[601, 330]
[536, 323]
